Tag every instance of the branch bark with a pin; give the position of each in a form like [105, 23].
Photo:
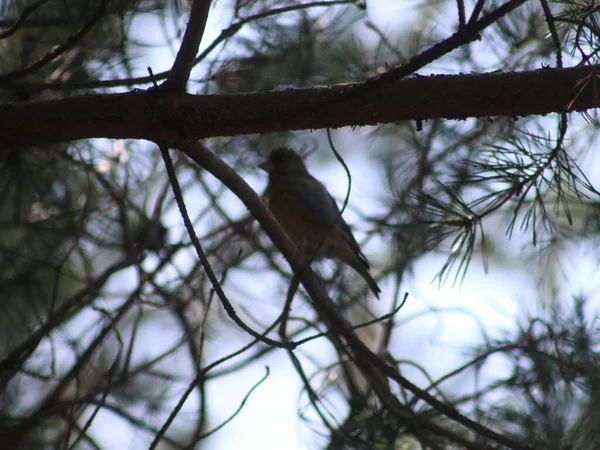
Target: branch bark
[166, 116]
[185, 60]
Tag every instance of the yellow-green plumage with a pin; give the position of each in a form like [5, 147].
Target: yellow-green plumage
[306, 212]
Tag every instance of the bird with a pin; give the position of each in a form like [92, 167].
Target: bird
[309, 214]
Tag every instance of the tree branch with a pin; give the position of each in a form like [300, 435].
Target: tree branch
[165, 116]
[373, 368]
[59, 49]
[186, 57]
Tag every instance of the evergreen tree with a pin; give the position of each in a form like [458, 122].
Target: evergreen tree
[142, 278]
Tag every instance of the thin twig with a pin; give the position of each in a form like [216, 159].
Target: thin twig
[186, 56]
[374, 368]
[204, 260]
[553, 32]
[27, 10]
[237, 411]
[464, 35]
[59, 49]
[225, 34]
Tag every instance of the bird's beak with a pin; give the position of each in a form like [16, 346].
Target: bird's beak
[267, 166]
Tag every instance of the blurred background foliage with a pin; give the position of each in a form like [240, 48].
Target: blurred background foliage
[109, 322]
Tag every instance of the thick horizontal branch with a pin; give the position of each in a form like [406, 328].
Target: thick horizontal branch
[162, 116]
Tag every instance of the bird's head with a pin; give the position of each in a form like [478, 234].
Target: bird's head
[284, 161]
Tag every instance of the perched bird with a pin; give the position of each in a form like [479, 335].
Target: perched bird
[309, 215]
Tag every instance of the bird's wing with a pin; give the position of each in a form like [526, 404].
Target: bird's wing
[343, 226]
[312, 201]
[322, 217]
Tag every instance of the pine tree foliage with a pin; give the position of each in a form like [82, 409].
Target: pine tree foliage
[139, 285]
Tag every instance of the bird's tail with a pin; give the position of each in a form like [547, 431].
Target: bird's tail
[371, 282]
[350, 253]
[362, 267]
